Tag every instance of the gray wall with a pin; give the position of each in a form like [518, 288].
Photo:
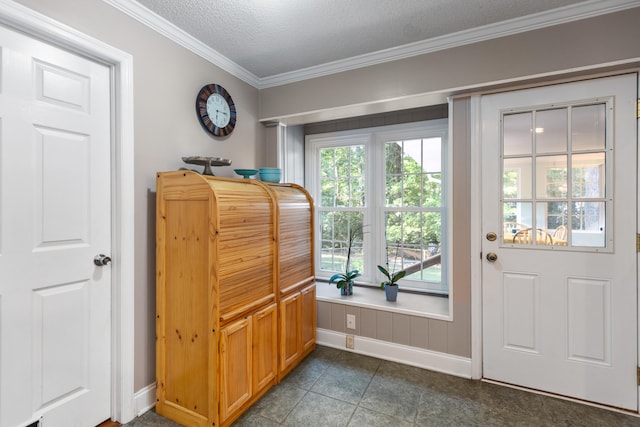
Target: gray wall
[167, 79]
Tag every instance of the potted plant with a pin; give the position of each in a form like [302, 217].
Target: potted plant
[390, 285]
[344, 281]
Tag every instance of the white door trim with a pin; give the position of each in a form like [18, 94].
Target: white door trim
[122, 166]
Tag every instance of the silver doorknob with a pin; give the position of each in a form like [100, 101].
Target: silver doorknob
[492, 257]
[101, 260]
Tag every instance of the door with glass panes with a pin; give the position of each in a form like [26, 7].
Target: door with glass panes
[558, 222]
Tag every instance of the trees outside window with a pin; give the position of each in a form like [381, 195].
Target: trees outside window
[391, 183]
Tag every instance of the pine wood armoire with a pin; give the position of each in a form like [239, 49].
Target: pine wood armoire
[235, 292]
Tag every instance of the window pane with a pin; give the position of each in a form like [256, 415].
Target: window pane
[432, 155]
[587, 173]
[412, 156]
[338, 229]
[517, 134]
[357, 192]
[412, 190]
[393, 188]
[413, 244]
[327, 163]
[588, 127]
[342, 176]
[551, 215]
[328, 195]
[587, 224]
[393, 158]
[432, 189]
[517, 216]
[551, 177]
[516, 179]
[413, 177]
[551, 131]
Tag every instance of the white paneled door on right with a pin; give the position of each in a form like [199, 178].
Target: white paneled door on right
[55, 217]
[559, 197]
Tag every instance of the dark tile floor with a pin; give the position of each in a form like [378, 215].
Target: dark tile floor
[338, 388]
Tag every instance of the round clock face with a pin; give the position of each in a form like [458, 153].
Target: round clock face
[216, 110]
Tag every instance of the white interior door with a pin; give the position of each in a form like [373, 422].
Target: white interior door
[559, 192]
[55, 217]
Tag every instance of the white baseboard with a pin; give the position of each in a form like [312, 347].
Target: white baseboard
[145, 399]
[414, 356]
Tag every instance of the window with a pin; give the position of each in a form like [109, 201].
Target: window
[389, 183]
[554, 170]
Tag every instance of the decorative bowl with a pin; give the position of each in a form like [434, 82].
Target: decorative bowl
[246, 173]
[270, 174]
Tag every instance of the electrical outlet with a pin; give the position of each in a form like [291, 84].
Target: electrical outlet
[351, 321]
[350, 343]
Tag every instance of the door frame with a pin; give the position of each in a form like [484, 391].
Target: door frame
[21, 18]
[475, 126]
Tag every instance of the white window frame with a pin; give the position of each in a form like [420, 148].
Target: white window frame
[373, 213]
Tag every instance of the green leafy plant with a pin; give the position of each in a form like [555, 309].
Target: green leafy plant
[392, 277]
[343, 279]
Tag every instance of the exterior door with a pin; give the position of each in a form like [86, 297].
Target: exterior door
[559, 247]
[55, 217]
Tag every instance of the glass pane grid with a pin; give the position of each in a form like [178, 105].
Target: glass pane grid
[568, 209]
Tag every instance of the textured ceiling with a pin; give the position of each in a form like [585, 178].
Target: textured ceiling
[271, 37]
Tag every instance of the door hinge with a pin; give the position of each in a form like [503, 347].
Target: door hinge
[638, 243]
[638, 372]
[638, 109]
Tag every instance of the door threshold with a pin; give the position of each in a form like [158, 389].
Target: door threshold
[559, 396]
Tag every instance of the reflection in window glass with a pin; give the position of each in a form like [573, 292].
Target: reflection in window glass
[587, 175]
[587, 224]
[551, 131]
[516, 178]
[568, 209]
[552, 174]
[517, 134]
[588, 127]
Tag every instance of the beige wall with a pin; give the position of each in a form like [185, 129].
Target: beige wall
[167, 79]
[431, 77]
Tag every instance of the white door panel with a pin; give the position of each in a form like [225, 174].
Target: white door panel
[55, 216]
[561, 316]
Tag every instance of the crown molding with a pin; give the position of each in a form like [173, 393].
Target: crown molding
[172, 32]
[536, 21]
[501, 29]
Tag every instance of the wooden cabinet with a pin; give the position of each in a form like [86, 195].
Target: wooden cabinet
[220, 247]
[235, 366]
[248, 358]
[265, 348]
[308, 319]
[297, 327]
[295, 274]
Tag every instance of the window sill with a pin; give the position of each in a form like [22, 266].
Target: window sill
[408, 303]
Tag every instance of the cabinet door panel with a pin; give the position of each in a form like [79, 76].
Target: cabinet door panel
[265, 347]
[289, 330]
[235, 352]
[308, 317]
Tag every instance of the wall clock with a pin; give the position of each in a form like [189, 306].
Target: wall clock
[216, 110]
